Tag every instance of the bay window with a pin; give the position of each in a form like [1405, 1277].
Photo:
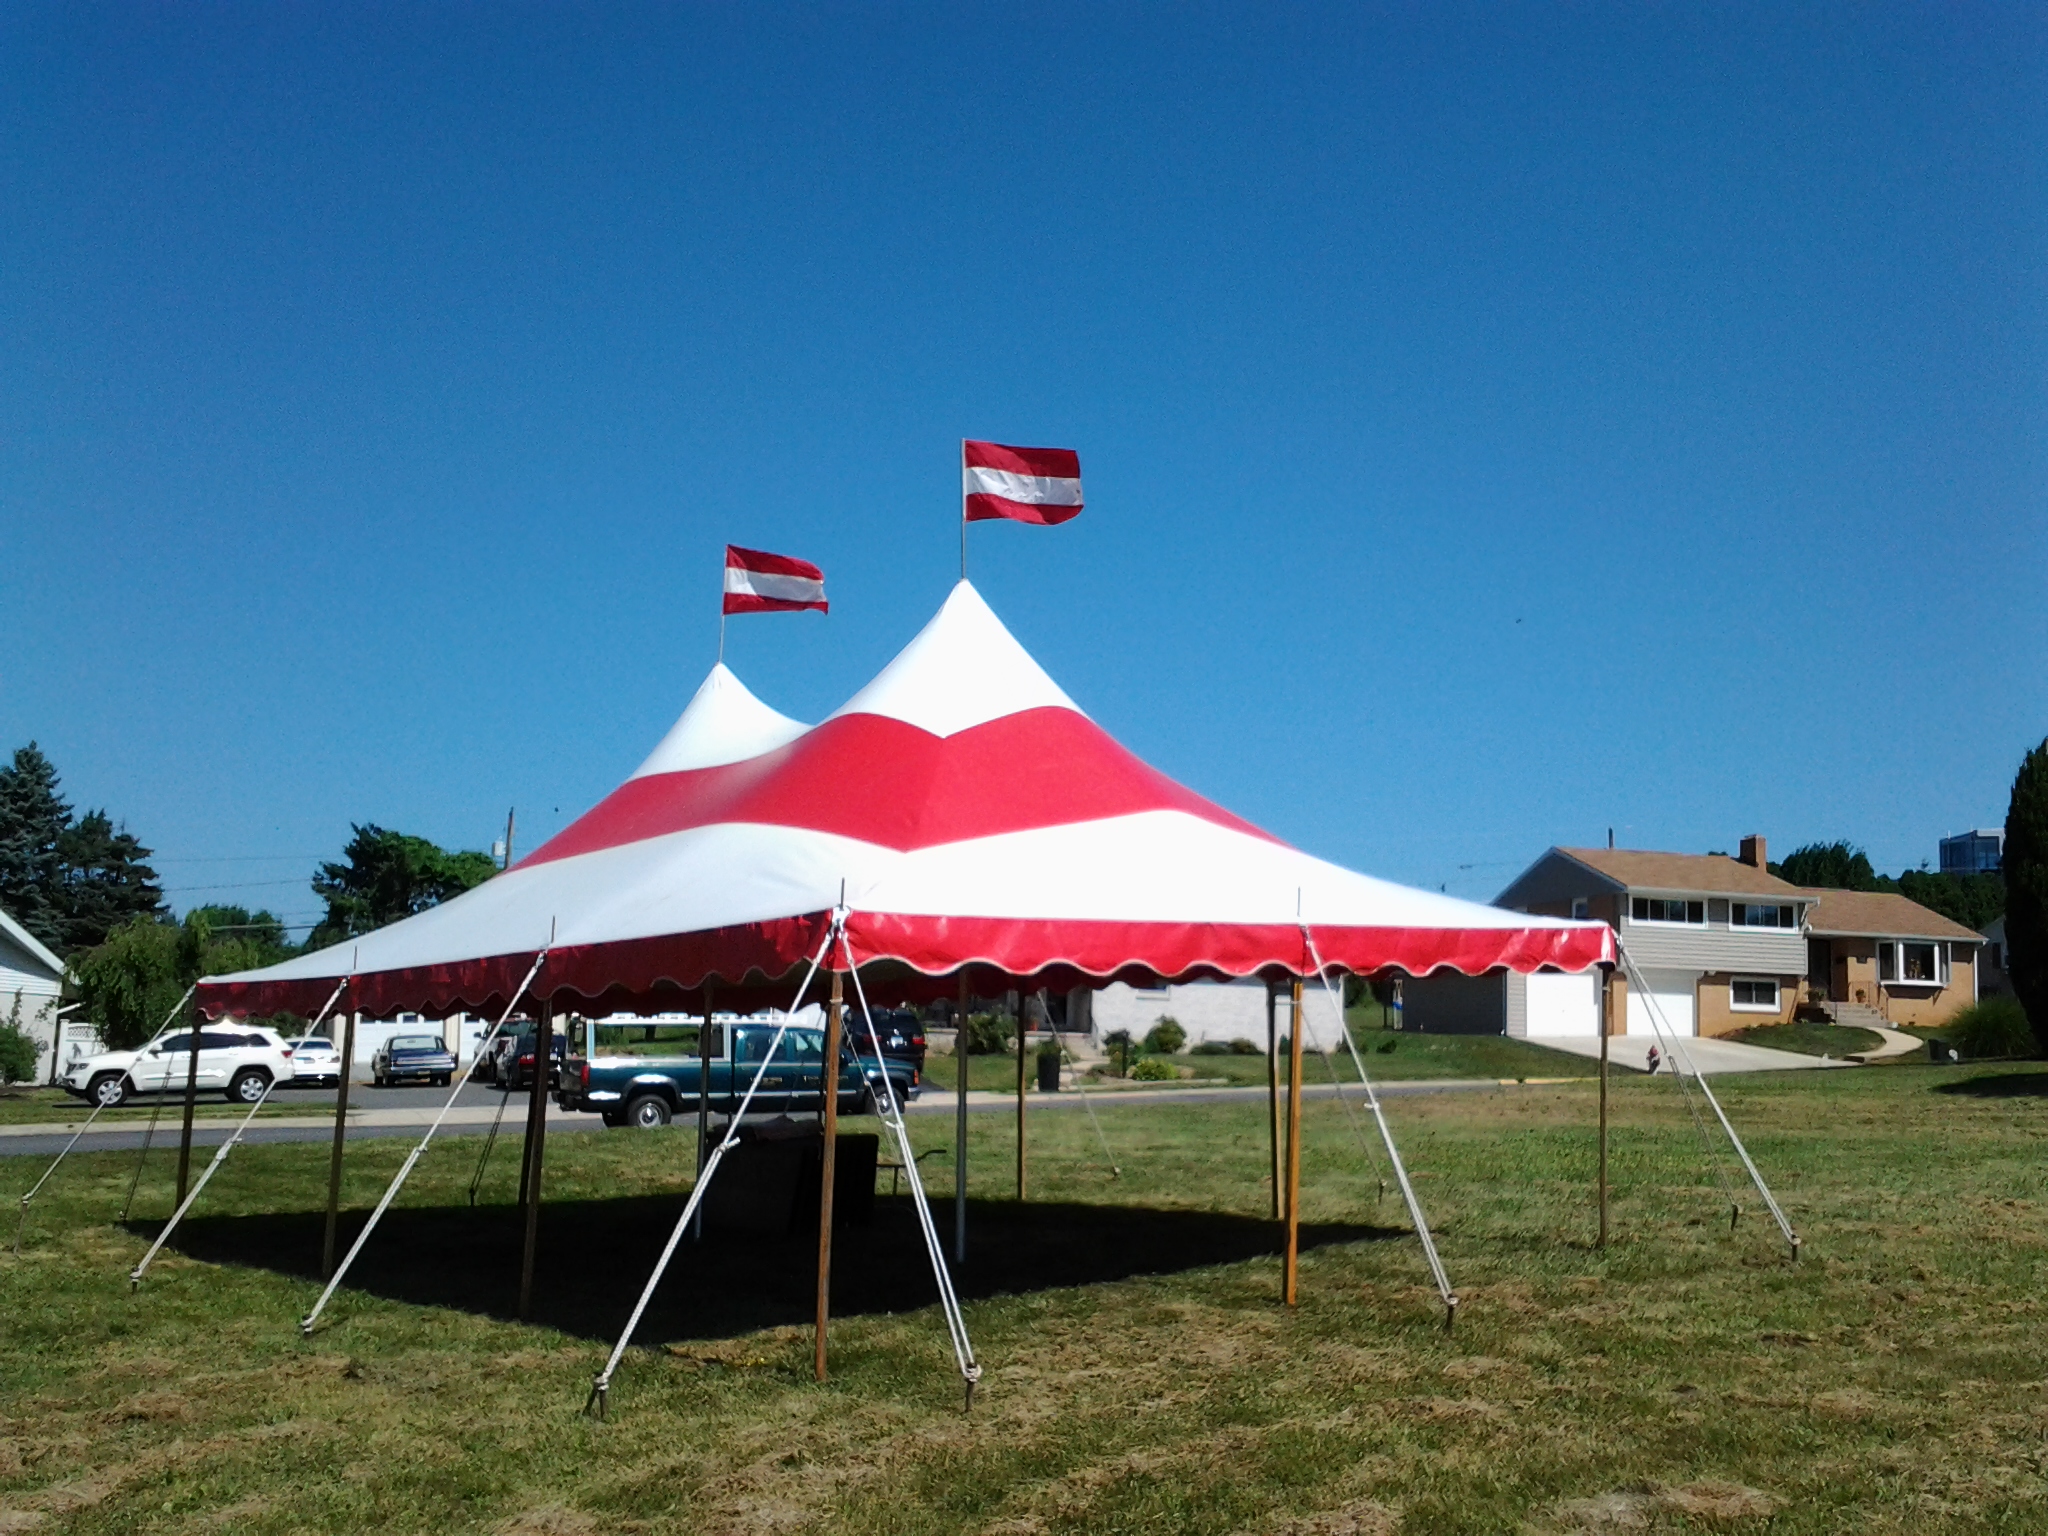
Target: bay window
[1912, 962]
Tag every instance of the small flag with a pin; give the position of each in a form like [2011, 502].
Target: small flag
[757, 582]
[1030, 485]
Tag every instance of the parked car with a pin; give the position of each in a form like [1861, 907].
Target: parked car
[515, 1066]
[412, 1058]
[901, 1033]
[234, 1059]
[647, 1091]
[316, 1062]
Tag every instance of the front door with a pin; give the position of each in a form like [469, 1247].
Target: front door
[1820, 967]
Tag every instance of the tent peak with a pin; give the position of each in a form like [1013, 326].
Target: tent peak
[963, 669]
[723, 723]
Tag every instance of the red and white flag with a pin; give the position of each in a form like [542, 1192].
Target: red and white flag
[1030, 485]
[758, 582]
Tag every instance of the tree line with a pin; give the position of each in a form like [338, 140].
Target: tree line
[84, 886]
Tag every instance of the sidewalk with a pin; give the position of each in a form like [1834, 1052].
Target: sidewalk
[1707, 1055]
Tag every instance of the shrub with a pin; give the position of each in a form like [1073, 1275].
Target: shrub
[988, 1034]
[1243, 1047]
[1050, 1048]
[1120, 1047]
[1996, 1026]
[17, 1051]
[1153, 1070]
[1166, 1037]
[1210, 1048]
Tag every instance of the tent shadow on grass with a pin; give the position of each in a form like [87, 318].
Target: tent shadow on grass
[596, 1254]
[2016, 1085]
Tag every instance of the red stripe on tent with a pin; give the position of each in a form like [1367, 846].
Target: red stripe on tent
[738, 559]
[1051, 463]
[889, 783]
[982, 507]
[907, 958]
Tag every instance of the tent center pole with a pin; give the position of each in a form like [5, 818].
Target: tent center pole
[1273, 1095]
[1293, 1146]
[1023, 1026]
[348, 1060]
[536, 1148]
[960, 1035]
[828, 1159]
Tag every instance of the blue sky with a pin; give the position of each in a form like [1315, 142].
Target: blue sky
[1498, 424]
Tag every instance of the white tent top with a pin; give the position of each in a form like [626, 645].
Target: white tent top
[972, 816]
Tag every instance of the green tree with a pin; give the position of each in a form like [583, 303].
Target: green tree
[1832, 867]
[18, 1052]
[2026, 889]
[33, 820]
[262, 929]
[1975, 901]
[129, 983]
[389, 875]
[106, 881]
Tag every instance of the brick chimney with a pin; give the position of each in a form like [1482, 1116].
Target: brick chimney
[1753, 850]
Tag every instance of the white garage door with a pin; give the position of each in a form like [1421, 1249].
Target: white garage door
[1563, 1005]
[1673, 992]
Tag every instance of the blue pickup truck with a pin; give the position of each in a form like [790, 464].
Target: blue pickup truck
[647, 1091]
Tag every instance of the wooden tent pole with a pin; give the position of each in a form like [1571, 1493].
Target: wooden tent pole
[960, 1124]
[1273, 1095]
[703, 1102]
[1604, 1023]
[537, 1132]
[828, 1161]
[348, 1058]
[1023, 1009]
[191, 1102]
[1293, 1146]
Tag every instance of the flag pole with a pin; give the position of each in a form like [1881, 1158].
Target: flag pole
[963, 509]
[721, 609]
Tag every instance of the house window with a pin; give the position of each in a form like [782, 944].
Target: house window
[1911, 963]
[1661, 909]
[1753, 994]
[1581, 907]
[1749, 914]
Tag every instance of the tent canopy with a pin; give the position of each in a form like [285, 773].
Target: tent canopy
[971, 815]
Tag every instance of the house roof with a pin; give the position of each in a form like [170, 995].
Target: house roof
[30, 942]
[1881, 915]
[1712, 874]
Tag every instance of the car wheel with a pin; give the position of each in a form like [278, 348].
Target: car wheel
[249, 1085]
[647, 1112]
[442, 1079]
[109, 1090]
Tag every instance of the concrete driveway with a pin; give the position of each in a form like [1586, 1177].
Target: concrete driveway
[1706, 1055]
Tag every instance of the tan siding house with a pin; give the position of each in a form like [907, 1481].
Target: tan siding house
[1876, 950]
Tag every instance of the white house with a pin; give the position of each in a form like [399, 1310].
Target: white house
[1221, 1011]
[31, 980]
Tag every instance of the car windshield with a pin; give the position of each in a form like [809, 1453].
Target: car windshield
[416, 1043]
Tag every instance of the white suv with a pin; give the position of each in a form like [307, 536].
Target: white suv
[235, 1059]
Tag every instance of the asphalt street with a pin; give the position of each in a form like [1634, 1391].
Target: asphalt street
[406, 1112]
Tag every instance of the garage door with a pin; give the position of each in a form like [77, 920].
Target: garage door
[1673, 994]
[1563, 1005]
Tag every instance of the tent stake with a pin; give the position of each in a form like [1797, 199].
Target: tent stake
[537, 1142]
[348, 1061]
[960, 1058]
[1287, 1289]
[1273, 1095]
[828, 1158]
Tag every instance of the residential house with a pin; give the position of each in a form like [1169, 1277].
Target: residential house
[1719, 942]
[1220, 1011]
[1992, 978]
[31, 981]
[1880, 958]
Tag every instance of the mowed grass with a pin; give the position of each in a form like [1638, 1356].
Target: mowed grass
[1141, 1375]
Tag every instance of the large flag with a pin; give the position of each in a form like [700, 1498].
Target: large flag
[1030, 485]
[758, 582]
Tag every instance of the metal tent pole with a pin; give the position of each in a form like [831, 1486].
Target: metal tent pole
[1273, 1094]
[1604, 1027]
[191, 1103]
[348, 1061]
[703, 1101]
[1022, 1030]
[828, 1159]
[536, 1151]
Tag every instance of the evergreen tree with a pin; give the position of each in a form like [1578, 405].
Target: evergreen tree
[2026, 888]
[106, 881]
[388, 876]
[33, 821]
[1831, 867]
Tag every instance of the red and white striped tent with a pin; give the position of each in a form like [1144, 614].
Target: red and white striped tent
[968, 813]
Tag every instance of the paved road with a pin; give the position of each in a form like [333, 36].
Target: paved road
[406, 1112]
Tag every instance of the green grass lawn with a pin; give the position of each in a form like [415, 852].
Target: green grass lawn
[1141, 1375]
[1810, 1039]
